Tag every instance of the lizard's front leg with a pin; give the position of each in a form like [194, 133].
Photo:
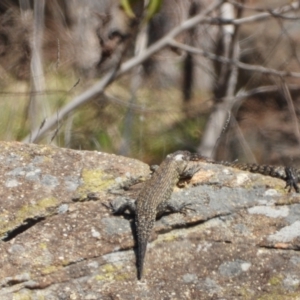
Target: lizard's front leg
[291, 179]
[169, 207]
[121, 204]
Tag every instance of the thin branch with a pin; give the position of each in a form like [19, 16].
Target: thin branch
[262, 90]
[38, 108]
[244, 6]
[245, 146]
[278, 12]
[241, 65]
[234, 54]
[224, 129]
[58, 55]
[261, 9]
[257, 9]
[291, 107]
[226, 83]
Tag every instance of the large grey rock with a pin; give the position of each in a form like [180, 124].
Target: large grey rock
[240, 241]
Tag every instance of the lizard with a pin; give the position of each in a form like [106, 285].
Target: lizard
[153, 199]
[290, 175]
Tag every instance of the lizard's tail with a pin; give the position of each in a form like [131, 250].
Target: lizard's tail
[141, 251]
[143, 233]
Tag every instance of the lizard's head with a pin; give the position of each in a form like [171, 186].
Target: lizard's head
[180, 156]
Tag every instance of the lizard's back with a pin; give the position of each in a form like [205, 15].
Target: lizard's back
[152, 199]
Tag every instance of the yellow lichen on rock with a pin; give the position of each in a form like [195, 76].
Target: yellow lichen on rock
[94, 181]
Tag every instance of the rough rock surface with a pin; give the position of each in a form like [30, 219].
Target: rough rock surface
[240, 241]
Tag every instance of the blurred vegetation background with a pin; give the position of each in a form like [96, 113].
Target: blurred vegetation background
[210, 101]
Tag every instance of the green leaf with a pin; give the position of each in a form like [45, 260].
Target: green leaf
[153, 7]
[126, 5]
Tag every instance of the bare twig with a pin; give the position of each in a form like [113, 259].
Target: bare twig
[188, 64]
[58, 126]
[292, 111]
[224, 128]
[243, 141]
[252, 8]
[42, 125]
[38, 108]
[278, 12]
[68, 131]
[75, 84]
[234, 54]
[241, 65]
[260, 9]
[24, 5]
[225, 84]
[244, 6]
[262, 90]
[58, 54]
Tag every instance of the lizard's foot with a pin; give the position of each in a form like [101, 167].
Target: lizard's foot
[120, 205]
[291, 180]
[183, 208]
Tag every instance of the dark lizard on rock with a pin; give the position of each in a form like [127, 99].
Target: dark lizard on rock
[153, 200]
[290, 175]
